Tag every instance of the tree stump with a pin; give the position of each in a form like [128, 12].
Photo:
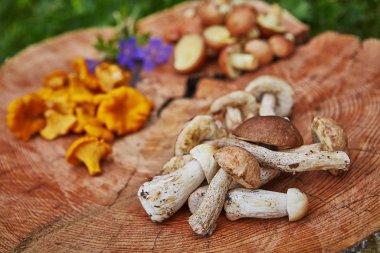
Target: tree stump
[47, 205]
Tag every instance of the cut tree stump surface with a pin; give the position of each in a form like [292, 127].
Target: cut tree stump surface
[47, 205]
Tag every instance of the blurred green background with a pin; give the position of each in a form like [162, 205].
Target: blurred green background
[24, 22]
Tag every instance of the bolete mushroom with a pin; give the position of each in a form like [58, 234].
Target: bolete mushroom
[233, 160]
[189, 53]
[235, 107]
[247, 203]
[218, 37]
[270, 23]
[196, 198]
[232, 61]
[200, 128]
[281, 46]
[273, 131]
[241, 19]
[275, 95]
[25, 116]
[260, 49]
[289, 161]
[210, 14]
[90, 151]
[330, 135]
[165, 194]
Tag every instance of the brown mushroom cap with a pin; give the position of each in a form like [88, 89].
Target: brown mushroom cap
[270, 130]
[239, 164]
[331, 136]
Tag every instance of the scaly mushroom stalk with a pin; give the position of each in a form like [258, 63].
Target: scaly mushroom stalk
[198, 195]
[291, 162]
[203, 220]
[166, 194]
[246, 203]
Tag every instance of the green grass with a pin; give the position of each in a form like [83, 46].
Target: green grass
[24, 22]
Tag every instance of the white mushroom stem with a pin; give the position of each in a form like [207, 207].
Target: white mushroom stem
[246, 203]
[203, 221]
[198, 195]
[268, 105]
[166, 194]
[233, 117]
[292, 162]
[246, 62]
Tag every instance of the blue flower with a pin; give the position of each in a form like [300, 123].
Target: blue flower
[91, 65]
[129, 52]
[156, 52]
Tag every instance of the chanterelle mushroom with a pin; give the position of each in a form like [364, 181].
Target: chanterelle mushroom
[270, 130]
[200, 128]
[57, 124]
[25, 116]
[246, 203]
[165, 194]
[289, 161]
[236, 106]
[330, 135]
[90, 151]
[275, 94]
[232, 159]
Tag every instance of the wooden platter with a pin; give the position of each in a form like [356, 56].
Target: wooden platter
[47, 205]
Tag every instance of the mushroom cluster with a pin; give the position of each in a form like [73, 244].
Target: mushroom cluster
[234, 32]
[222, 159]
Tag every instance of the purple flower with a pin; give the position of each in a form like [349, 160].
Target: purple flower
[129, 52]
[91, 65]
[156, 52]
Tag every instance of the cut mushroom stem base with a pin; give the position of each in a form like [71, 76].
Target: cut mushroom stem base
[268, 105]
[166, 194]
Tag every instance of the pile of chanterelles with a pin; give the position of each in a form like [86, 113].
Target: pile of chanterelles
[244, 142]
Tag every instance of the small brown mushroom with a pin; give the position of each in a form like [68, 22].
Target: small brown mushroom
[189, 53]
[281, 46]
[197, 196]
[232, 61]
[275, 95]
[270, 23]
[203, 220]
[210, 14]
[218, 37]
[260, 49]
[330, 135]
[240, 165]
[270, 130]
[241, 19]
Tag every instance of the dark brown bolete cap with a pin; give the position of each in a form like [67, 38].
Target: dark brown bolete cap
[239, 164]
[269, 130]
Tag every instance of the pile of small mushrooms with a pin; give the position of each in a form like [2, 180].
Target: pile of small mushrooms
[223, 158]
[234, 32]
